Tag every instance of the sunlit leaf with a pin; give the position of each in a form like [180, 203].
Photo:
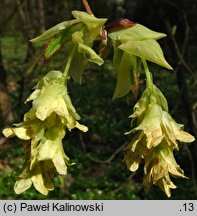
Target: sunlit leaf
[117, 54]
[123, 85]
[77, 37]
[90, 54]
[148, 49]
[80, 61]
[43, 38]
[92, 23]
[85, 53]
[128, 75]
[56, 43]
[137, 32]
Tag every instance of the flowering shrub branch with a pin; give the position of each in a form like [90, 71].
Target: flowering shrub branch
[52, 114]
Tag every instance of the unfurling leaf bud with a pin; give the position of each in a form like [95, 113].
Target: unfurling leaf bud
[119, 24]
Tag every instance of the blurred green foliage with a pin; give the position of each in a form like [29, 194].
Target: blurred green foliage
[95, 175]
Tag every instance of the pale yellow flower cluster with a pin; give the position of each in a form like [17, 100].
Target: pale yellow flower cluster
[156, 138]
[43, 129]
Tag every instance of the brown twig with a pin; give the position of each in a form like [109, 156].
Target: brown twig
[5, 22]
[106, 161]
[180, 53]
[110, 158]
[181, 58]
[87, 7]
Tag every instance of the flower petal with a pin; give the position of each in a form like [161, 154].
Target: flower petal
[166, 184]
[60, 164]
[38, 183]
[151, 125]
[81, 127]
[22, 185]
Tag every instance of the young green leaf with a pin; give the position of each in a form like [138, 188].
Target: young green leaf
[77, 67]
[137, 32]
[43, 38]
[85, 49]
[128, 75]
[117, 54]
[90, 54]
[56, 43]
[89, 20]
[92, 23]
[148, 49]
[85, 53]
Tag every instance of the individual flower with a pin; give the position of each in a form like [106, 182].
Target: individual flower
[26, 130]
[155, 123]
[135, 152]
[50, 148]
[51, 96]
[158, 125]
[147, 97]
[40, 176]
[159, 166]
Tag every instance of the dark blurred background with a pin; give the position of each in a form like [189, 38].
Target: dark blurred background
[99, 172]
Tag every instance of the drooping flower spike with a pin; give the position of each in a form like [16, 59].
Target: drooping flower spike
[156, 137]
[43, 129]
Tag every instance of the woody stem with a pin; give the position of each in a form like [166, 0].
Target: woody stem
[87, 7]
